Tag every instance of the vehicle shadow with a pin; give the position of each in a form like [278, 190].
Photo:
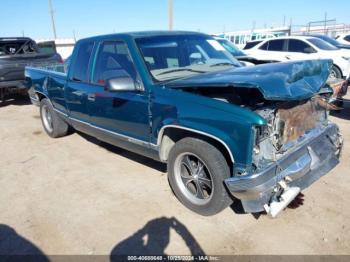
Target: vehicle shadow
[17, 100]
[345, 112]
[161, 167]
[14, 247]
[153, 239]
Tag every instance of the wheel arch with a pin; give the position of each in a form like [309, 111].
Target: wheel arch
[341, 72]
[170, 134]
[41, 95]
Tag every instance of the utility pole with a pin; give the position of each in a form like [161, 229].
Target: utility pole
[75, 38]
[253, 26]
[170, 14]
[52, 19]
[290, 26]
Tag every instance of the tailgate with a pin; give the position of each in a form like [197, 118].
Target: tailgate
[12, 68]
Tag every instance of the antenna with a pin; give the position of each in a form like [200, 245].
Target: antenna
[52, 19]
[170, 14]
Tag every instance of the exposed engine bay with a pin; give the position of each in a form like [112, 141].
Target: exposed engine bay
[288, 122]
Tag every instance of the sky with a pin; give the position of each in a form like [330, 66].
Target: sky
[95, 17]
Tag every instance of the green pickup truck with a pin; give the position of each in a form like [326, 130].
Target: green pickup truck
[259, 134]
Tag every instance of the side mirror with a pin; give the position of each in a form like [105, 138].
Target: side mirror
[124, 83]
[309, 50]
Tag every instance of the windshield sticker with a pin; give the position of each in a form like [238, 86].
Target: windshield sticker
[216, 45]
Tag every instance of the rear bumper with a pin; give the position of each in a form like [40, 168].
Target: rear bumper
[300, 168]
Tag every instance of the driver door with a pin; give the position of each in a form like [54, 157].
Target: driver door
[117, 114]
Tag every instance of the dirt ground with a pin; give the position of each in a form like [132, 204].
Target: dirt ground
[74, 195]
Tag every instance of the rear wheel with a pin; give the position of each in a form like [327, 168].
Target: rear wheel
[197, 171]
[52, 123]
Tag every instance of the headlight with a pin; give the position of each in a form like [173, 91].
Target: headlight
[260, 134]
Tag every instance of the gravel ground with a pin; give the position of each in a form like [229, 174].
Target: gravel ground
[74, 195]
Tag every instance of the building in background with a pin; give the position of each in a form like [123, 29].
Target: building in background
[240, 38]
[331, 30]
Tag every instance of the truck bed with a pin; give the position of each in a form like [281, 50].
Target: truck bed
[38, 77]
[55, 69]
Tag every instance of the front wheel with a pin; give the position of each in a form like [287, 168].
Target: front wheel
[196, 171]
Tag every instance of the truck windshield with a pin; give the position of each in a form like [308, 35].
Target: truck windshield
[178, 56]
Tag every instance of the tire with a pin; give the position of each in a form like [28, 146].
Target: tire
[53, 125]
[335, 73]
[211, 198]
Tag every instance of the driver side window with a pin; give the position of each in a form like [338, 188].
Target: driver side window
[113, 61]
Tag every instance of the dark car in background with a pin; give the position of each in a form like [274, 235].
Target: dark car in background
[15, 54]
[331, 41]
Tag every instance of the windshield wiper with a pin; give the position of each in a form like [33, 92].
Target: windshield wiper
[223, 64]
[179, 70]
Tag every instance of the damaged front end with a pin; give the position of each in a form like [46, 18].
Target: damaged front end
[298, 144]
[297, 147]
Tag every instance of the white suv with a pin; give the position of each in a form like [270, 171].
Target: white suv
[303, 48]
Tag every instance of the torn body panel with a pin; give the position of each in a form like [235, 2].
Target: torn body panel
[296, 147]
[313, 157]
[290, 81]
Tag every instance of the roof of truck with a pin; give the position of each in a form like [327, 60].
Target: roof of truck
[142, 34]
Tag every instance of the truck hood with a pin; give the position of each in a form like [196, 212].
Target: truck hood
[287, 81]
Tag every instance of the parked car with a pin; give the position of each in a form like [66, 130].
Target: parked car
[303, 48]
[343, 38]
[15, 54]
[259, 134]
[332, 41]
[239, 54]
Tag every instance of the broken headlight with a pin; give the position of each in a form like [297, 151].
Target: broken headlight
[261, 133]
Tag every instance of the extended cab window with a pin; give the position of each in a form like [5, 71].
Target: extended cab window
[81, 65]
[298, 46]
[113, 61]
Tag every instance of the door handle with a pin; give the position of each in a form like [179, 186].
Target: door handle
[91, 97]
[288, 57]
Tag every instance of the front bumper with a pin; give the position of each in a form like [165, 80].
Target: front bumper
[311, 160]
